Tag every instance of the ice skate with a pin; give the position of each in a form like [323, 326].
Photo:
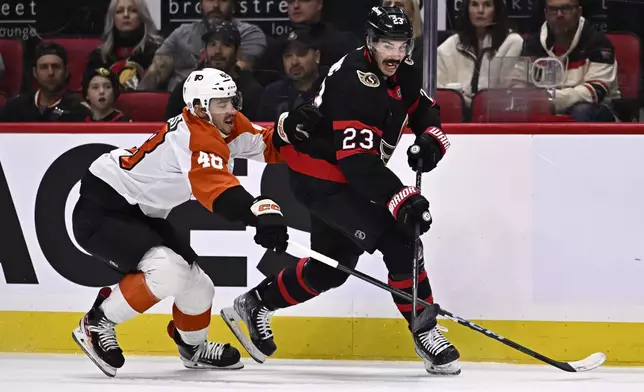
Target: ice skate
[440, 356]
[97, 338]
[249, 309]
[208, 355]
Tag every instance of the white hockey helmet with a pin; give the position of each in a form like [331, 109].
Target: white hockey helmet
[206, 84]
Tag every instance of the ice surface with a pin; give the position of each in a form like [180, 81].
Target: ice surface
[70, 373]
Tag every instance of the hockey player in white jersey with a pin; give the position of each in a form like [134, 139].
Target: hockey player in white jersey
[120, 218]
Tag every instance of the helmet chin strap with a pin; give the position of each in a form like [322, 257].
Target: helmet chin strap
[203, 105]
[194, 113]
[210, 120]
[206, 104]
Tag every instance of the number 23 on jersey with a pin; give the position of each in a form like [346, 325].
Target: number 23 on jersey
[353, 138]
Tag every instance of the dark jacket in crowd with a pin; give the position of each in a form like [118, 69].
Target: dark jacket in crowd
[280, 97]
[24, 108]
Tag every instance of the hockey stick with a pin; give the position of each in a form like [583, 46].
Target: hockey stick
[414, 274]
[589, 363]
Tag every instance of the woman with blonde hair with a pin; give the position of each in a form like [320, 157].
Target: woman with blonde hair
[411, 8]
[130, 40]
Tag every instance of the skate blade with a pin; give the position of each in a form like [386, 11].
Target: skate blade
[233, 320]
[202, 366]
[450, 369]
[81, 339]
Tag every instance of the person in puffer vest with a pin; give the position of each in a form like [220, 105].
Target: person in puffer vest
[590, 80]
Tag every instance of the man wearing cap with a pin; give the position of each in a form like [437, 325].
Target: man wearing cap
[301, 59]
[52, 101]
[305, 16]
[179, 54]
[221, 47]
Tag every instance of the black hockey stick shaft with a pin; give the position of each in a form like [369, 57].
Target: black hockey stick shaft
[566, 366]
[414, 274]
[558, 364]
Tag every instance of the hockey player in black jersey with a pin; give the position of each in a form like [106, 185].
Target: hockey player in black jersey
[338, 171]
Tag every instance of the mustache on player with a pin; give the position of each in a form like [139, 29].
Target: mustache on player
[391, 61]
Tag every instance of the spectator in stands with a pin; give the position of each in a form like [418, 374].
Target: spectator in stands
[306, 17]
[301, 58]
[101, 90]
[590, 81]
[52, 101]
[475, 57]
[222, 44]
[181, 52]
[130, 40]
[412, 10]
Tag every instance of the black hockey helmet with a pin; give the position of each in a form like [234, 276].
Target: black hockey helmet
[389, 23]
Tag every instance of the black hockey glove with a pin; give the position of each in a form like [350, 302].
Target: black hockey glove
[295, 127]
[430, 147]
[271, 228]
[409, 208]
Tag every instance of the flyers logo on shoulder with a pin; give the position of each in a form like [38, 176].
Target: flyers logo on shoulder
[369, 79]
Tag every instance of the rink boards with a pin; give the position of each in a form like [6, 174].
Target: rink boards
[536, 236]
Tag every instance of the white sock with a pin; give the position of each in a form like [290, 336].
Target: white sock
[194, 338]
[116, 308]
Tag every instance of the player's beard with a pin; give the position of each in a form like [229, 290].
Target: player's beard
[219, 62]
[298, 73]
[218, 14]
[52, 87]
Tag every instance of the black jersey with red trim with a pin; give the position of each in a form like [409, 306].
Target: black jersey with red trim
[364, 114]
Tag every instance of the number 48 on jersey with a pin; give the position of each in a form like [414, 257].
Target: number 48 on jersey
[210, 160]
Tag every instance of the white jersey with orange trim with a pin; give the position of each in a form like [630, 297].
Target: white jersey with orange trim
[187, 157]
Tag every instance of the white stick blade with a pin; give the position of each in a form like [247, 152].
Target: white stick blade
[591, 362]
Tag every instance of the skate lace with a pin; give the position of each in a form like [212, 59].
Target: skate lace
[211, 351]
[434, 341]
[106, 334]
[264, 322]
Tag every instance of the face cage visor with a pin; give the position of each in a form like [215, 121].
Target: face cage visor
[226, 105]
[387, 47]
